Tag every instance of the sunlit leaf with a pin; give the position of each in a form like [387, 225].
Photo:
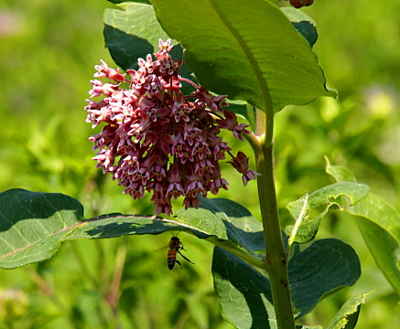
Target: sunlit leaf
[327, 197]
[34, 224]
[379, 223]
[239, 225]
[219, 221]
[246, 50]
[245, 295]
[127, 40]
[133, 33]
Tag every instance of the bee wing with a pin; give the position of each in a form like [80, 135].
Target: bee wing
[162, 248]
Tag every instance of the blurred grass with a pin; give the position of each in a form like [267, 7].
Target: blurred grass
[48, 50]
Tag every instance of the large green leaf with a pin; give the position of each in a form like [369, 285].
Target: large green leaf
[247, 50]
[34, 224]
[245, 295]
[132, 33]
[306, 228]
[219, 221]
[321, 269]
[379, 223]
[127, 40]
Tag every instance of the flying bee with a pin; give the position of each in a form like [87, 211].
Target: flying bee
[175, 245]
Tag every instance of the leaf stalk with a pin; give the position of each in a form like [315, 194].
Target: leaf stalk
[253, 260]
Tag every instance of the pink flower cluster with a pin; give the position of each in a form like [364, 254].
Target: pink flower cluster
[301, 3]
[156, 139]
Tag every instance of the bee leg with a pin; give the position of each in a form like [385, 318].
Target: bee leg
[178, 262]
[185, 258]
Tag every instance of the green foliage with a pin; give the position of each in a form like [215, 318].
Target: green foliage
[323, 268]
[245, 294]
[119, 32]
[220, 221]
[306, 229]
[33, 224]
[43, 151]
[241, 64]
[303, 23]
[234, 63]
[48, 219]
[379, 224]
[125, 27]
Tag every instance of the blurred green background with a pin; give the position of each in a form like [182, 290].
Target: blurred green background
[47, 54]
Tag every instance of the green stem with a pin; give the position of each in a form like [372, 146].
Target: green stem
[276, 256]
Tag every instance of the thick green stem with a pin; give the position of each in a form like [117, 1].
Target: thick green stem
[276, 256]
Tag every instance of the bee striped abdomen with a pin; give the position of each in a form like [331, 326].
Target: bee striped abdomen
[171, 258]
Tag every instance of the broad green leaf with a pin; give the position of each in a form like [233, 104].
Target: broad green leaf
[246, 50]
[303, 23]
[327, 197]
[318, 271]
[34, 224]
[219, 221]
[133, 33]
[347, 316]
[245, 295]
[383, 246]
[240, 227]
[379, 223]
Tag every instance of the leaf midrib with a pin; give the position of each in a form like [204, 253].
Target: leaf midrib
[249, 55]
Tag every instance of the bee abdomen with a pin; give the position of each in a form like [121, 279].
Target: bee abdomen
[171, 259]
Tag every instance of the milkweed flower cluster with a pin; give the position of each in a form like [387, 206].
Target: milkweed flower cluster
[301, 3]
[157, 140]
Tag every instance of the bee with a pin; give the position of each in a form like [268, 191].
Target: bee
[175, 245]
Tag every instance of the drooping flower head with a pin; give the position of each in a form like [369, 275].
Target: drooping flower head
[301, 3]
[157, 140]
